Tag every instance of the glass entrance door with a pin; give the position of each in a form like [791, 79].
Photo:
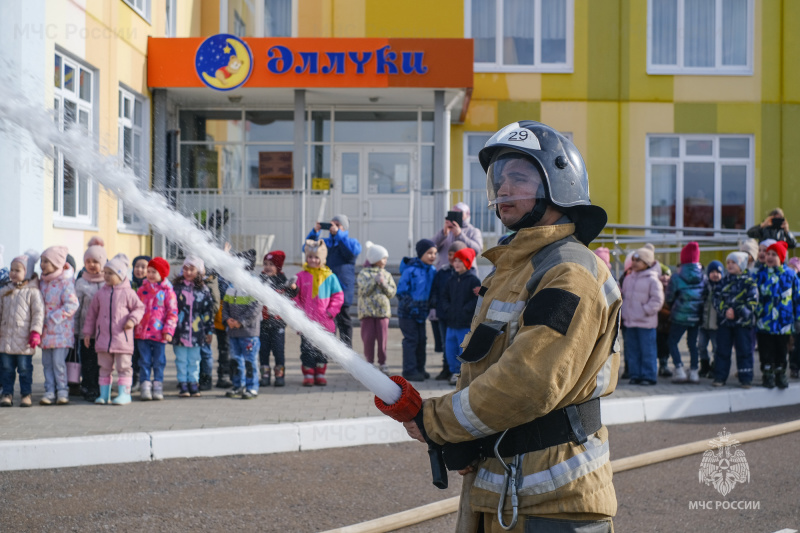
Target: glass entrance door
[373, 186]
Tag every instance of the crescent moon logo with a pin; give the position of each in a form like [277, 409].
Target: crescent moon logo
[223, 62]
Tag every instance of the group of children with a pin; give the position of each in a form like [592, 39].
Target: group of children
[755, 296]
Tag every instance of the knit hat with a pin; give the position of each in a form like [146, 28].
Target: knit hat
[794, 263]
[343, 221]
[96, 241]
[645, 254]
[71, 261]
[28, 261]
[766, 243]
[96, 252]
[740, 258]
[650, 246]
[466, 255]
[750, 247]
[716, 266]
[456, 246]
[423, 245]
[196, 262]
[56, 255]
[604, 254]
[139, 258]
[160, 265]
[375, 252]
[690, 253]
[276, 258]
[317, 249]
[780, 248]
[119, 265]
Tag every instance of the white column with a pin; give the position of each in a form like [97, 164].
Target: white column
[26, 173]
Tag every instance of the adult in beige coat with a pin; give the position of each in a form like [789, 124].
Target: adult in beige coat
[21, 322]
[542, 349]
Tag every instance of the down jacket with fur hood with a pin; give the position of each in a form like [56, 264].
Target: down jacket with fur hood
[642, 298]
[21, 312]
[110, 310]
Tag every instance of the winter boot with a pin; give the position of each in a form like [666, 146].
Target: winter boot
[194, 389]
[205, 382]
[146, 391]
[663, 368]
[224, 382]
[768, 378]
[705, 368]
[279, 379]
[780, 378]
[319, 374]
[158, 390]
[680, 375]
[308, 376]
[105, 395]
[265, 380]
[184, 390]
[123, 395]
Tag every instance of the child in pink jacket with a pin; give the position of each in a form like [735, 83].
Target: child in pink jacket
[60, 305]
[114, 311]
[157, 326]
[320, 295]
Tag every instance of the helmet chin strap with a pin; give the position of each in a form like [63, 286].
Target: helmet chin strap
[530, 218]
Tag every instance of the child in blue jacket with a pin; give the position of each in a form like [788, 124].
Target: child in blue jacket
[413, 295]
[685, 295]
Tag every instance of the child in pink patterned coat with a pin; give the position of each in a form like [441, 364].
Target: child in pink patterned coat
[60, 305]
[157, 326]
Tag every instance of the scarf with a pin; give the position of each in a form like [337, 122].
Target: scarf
[53, 275]
[93, 278]
[318, 276]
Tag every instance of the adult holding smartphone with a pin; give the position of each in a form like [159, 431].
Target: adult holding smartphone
[457, 229]
[776, 227]
[342, 253]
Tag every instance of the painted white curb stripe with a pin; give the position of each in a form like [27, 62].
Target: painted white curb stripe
[74, 451]
[302, 436]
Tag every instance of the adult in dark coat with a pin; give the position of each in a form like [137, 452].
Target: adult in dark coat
[342, 253]
[776, 227]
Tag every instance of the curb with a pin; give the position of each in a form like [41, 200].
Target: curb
[303, 436]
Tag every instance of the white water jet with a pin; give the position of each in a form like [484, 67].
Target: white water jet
[38, 123]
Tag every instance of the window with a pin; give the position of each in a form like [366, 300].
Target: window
[475, 183]
[140, 6]
[521, 35]
[170, 29]
[700, 181]
[73, 101]
[700, 37]
[239, 27]
[277, 18]
[132, 150]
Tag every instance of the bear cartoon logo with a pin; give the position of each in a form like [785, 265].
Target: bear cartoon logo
[223, 62]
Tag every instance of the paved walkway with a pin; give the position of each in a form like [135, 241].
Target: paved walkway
[343, 398]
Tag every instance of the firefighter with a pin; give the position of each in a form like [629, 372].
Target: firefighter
[542, 349]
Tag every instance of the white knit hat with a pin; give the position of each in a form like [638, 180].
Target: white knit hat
[375, 252]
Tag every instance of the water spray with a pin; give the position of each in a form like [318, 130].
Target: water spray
[152, 207]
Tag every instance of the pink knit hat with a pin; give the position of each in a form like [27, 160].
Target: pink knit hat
[28, 261]
[96, 252]
[96, 241]
[56, 255]
[604, 254]
[119, 265]
[794, 263]
[196, 262]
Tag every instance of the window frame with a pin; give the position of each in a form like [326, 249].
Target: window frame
[718, 161]
[497, 66]
[144, 11]
[718, 69]
[171, 15]
[260, 12]
[137, 225]
[60, 95]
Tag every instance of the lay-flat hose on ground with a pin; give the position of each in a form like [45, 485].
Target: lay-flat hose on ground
[430, 511]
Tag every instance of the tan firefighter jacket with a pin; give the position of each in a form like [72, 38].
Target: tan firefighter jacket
[557, 348]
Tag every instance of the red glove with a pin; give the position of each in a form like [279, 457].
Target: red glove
[407, 407]
[34, 339]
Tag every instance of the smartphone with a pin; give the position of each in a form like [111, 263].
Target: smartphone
[777, 222]
[325, 225]
[455, 216]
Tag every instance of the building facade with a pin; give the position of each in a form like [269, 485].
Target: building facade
[682, 109]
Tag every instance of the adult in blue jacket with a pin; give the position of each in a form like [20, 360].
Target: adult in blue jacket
[342, 253]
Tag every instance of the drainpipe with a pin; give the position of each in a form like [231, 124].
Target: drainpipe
[299, 169]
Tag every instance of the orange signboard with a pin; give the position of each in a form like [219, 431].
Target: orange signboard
[309, 62]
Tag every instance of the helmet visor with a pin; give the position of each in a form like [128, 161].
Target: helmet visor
[513, 176]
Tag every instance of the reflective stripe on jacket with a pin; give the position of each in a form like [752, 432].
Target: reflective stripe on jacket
[561, 348]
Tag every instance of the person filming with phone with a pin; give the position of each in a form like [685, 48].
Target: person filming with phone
[776, 227]
[342, 253]
[457, 228]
